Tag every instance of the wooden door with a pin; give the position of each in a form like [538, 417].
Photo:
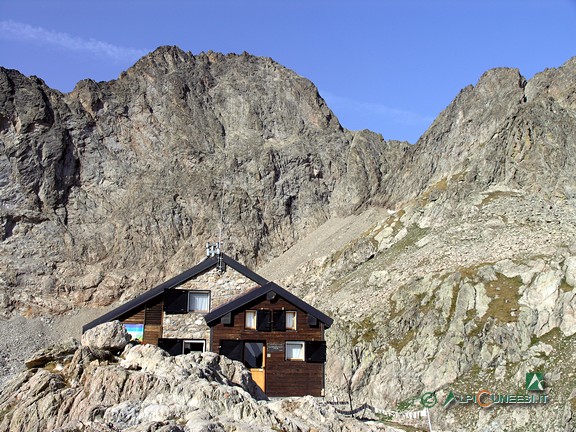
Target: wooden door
[255, 360]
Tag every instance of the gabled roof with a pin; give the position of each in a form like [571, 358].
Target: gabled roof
[242, 300]
[183, 277]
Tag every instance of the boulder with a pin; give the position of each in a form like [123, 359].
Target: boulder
[110, 336]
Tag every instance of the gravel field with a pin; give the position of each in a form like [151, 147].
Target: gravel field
[21, 337]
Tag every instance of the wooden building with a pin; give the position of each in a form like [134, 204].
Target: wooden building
[220, 305]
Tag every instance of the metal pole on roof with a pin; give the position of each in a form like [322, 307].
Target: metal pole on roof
[221, 219]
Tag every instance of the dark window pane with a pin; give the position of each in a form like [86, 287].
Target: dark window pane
[176, 301]
[312, 321]
[231, 349]
[253, 354]
[279, 320]
[193, 346]
[263, 320]
[315, 351]
[172, 346]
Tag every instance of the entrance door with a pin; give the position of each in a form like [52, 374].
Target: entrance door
[255, 360]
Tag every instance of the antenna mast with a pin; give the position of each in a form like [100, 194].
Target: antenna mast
[221, 217]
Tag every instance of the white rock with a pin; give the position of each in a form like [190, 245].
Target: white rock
[108, 336]
[570, 270]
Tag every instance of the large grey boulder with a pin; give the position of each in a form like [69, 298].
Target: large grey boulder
[110, 336]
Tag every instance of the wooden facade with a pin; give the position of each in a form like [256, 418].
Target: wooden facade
[149, 315]
[285, 350]
[282, 376]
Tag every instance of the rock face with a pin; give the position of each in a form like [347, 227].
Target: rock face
[117, 185]
[145, 389]
[463, 280]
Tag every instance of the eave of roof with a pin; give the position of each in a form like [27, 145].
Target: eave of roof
[211, 318]
[172, 283]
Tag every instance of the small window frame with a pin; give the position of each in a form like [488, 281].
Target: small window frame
[302, 346]
[194, 292]
[255, 315]
[295, 321]
[202, 341]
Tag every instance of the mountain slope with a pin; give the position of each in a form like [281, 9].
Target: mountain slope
[469, 284]
[119, 184]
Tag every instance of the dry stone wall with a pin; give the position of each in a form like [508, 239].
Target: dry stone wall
[223, 287]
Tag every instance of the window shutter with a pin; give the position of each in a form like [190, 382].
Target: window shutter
[263, 320]
[315, 351]
[227, 319]
[232, 349]
[312, 321]
[176, 301]
[172, 346]
[279, 320]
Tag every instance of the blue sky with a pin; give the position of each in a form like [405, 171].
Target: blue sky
[389, 66]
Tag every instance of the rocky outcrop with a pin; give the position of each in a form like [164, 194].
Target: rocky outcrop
[466, 283]
[145, 389]
[54, 353]
[469, 303]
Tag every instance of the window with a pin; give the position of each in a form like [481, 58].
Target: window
[232, 349]
[250, 320]
[194, 346]
[315, 351]
[198, 301]
[290, 320]
[263, 320]
[294, 350]
[136, 331]
[279, 320]
[253, 354]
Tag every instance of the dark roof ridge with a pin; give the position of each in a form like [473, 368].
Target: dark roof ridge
[248, 296]
[177, 280]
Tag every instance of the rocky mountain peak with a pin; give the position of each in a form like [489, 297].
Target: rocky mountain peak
[145, 163]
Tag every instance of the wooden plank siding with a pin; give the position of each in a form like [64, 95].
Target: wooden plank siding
[135, 316]
[283, 377]
[153, 320]
[150, 314]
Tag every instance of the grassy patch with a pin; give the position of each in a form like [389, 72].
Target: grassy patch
[496, 195]
[504, 293]
[407, 404]
[399, 344]
[553, 337]
[439, 186]
[364, 331]
[414, 234]
[452, 311]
